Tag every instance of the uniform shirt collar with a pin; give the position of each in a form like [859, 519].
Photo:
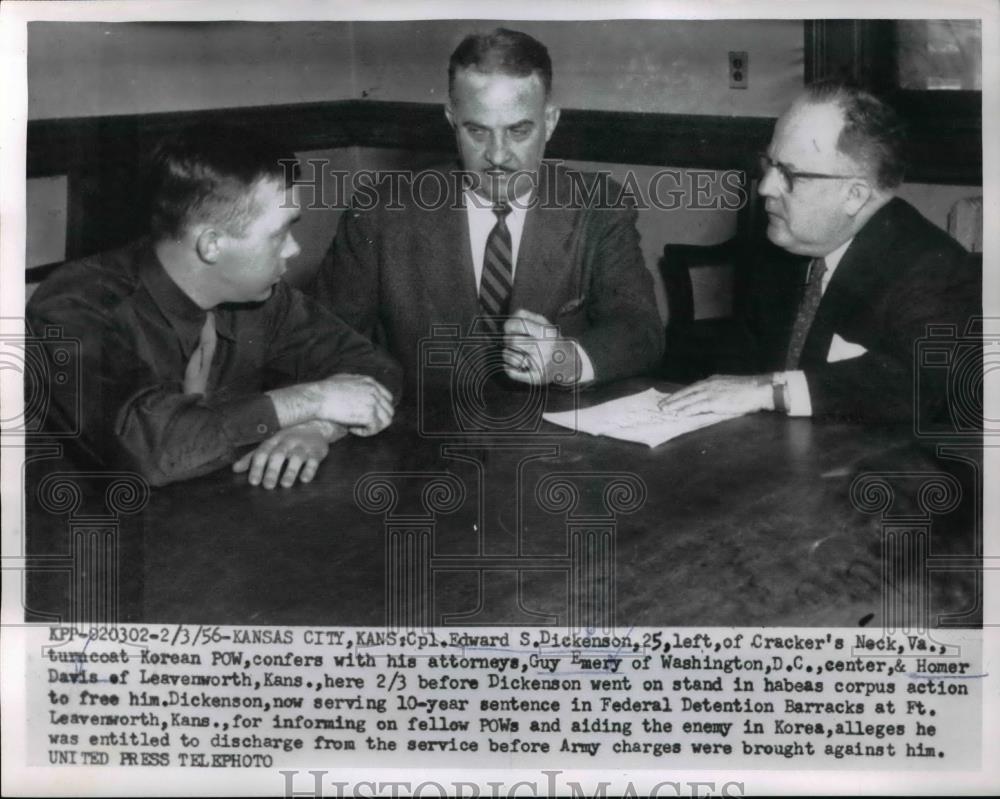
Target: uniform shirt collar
[185, 316]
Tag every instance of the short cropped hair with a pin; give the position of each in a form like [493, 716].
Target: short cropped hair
[873, 135]
[208, 174]
[505, 52]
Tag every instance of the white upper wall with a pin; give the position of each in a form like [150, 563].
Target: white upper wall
[82, 69]
[670, 66]
[78, 69]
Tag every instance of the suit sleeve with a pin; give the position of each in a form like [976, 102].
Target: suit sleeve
[625, 335]
[347, 280]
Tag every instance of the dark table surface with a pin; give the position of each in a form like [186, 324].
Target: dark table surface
[491, 521]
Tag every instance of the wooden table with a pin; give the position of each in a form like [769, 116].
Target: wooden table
[750, 522]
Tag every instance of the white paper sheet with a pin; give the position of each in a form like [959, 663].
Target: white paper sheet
[636, 418]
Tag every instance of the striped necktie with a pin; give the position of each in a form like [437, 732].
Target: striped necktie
[807, 313]
[497, 279]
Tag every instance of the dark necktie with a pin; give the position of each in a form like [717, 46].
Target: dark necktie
[497, 278]
[807, 312]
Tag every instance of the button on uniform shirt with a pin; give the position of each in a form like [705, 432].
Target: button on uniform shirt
[482, 219]
[136, 332]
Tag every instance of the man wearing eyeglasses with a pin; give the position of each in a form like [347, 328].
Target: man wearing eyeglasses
[836, 338]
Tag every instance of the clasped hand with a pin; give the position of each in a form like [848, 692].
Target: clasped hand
[358, 402]
[341, 404]
[722, 394]
[535, 353]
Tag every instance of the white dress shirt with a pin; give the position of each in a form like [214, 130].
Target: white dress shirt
[482, 220]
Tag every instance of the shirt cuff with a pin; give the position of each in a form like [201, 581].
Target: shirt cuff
[248, 421]
[586, 366]
[797, 389]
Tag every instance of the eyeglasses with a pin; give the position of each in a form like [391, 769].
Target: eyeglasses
[788, 176]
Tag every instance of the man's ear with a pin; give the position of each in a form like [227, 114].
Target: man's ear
[449, 115]
[859, 192]
[208, 245]
[551, 119]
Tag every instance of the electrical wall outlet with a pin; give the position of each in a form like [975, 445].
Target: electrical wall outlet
[738, 67]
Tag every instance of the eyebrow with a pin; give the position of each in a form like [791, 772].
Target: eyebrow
[786, 164]
[293, 221]
[520, 123]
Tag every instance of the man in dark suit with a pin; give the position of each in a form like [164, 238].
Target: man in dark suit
[519, 244]
[834, 334]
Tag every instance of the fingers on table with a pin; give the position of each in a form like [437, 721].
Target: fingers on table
[280, 460]
[260, 460]
[285, 467]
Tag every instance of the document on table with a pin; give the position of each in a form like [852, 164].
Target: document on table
[634, 418]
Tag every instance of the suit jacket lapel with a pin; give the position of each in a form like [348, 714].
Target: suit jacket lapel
[779, 283]
[854, 281]
[836, 300]
[444, 259]
[544, 259]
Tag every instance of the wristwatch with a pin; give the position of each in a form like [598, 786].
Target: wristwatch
[779, 387]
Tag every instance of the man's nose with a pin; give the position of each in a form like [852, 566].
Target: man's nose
[498, 151]
[770, 183]
[291, 248]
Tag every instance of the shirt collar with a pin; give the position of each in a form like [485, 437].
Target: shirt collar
[479, 205]
[833, 260]
[185, 316]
